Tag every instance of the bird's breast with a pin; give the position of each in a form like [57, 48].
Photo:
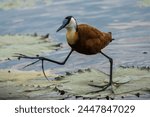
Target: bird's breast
[72, 37]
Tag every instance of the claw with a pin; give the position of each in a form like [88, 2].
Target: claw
[31, 64]
[37, 57]
[103, 88]
[43, 70]
[28, 57]
[19, 56]
[97, 86]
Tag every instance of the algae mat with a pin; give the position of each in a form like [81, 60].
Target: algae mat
[14, 83]
[32, 85]
[26, 44]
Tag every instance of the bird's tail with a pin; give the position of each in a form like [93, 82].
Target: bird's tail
[110, 33]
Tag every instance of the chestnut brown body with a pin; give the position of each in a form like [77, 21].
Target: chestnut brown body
[87, 39]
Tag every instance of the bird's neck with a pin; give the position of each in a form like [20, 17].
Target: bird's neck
[72, 35]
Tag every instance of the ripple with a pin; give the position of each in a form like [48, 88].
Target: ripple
[128, 25]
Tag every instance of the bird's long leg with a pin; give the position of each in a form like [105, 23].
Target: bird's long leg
[110, 76]
[111, 68]
[42, 59]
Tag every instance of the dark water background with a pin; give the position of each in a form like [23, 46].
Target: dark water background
[128, 20]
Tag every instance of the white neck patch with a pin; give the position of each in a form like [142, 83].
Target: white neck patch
[72, 24]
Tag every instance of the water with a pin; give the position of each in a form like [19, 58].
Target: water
[128, 20]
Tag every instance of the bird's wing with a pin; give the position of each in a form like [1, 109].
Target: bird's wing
[89, 32]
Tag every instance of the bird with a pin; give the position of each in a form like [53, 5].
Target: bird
[84, 39]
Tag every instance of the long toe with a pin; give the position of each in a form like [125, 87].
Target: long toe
[103, 88]
[98, 86]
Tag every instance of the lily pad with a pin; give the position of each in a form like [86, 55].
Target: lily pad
[15, 84]
[126, 81]
[144, 3]
[26, 44]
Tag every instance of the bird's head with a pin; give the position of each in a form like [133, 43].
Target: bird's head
[69, 23]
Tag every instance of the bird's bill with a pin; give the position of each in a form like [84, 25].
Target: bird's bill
[61, 27]
[65, 22]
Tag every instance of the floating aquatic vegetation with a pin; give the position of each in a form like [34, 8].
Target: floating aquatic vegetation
[25, 44]
[126, 82]
[144, 3]
[16, 84]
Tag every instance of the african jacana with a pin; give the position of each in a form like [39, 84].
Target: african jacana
[84, 39]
